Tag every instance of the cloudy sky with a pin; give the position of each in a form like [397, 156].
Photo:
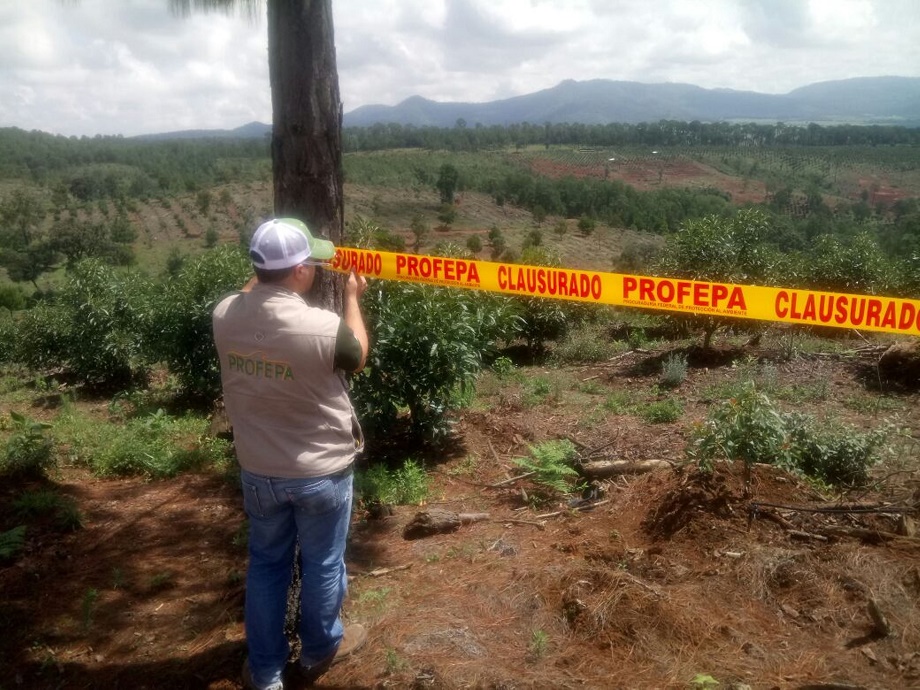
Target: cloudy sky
[86, 67]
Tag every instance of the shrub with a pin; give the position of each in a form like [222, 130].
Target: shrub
[91, 327]
[179, 331]
[403, 486]
[673, 370]
[662, 411]
[749, 428]
[29, 450]
[11, 542]
[428, 341]
[551, 463]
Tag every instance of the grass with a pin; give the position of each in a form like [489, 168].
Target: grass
[153, 445]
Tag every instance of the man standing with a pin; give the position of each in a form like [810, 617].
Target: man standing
[296, 437]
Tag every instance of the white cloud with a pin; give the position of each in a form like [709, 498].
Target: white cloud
[129, 66]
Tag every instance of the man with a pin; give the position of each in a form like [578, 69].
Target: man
[296, 437]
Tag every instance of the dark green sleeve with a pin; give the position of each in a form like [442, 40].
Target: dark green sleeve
[347, 349]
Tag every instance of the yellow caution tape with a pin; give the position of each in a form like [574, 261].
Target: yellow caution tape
[790, 305]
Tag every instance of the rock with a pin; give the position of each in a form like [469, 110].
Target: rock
[900, 364]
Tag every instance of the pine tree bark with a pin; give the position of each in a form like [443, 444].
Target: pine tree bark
[307, 126]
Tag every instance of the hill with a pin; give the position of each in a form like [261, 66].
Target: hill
[890, 100]
[868, 100]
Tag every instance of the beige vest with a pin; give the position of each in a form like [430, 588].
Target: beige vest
[290, 411]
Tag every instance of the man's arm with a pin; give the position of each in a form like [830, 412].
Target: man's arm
[354, 288]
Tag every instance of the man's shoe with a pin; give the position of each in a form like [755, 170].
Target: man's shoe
[250, 684]
[354, 638]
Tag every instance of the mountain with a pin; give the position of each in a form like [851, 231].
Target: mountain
[252, 130]
[865, 100]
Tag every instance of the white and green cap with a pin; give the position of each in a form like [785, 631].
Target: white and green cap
[284, 243]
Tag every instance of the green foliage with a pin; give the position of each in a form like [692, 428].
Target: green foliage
[586, 225]
[854, 266]
[719, 249]
[407, 485]
[88, 607]
[542, 319]
[750, 428]
[154, 444]
[12, 297]
[551, 463]
[447, 214]
[448, 180]
[11, 542]
[47, 503]
[428, 341]
[673, 370]
[29, 450]
[91, 328]
[179, 330]
[662, 411]
[474, 244]
[539, 641]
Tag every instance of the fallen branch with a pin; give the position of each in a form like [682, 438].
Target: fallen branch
[603, 469]
[510, 481]
[586, 506]
[379, 572]
[439, 521]
[871, 535]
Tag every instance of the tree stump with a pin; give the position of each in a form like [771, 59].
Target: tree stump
[900, 364]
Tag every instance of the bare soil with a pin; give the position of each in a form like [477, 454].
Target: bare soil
[669, 575]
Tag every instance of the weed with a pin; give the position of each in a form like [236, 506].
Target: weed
[619, 402]
[539, 641]
[503, 367]
[751, 429]
[394, 662]
[537, 391]
[118, 578]
[240, 538]
[673, 370]
[162, 580]
[44, 502]
[467, 466]
[407, 485]
[11, 542]
[88, 607]
[662, 411]
[704, 682]
[550, 462]
[29, 450]
[374, 597]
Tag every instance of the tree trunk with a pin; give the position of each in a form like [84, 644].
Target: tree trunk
[307, 126]
[307, 155]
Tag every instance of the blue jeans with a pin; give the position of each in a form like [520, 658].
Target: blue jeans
[316, 512]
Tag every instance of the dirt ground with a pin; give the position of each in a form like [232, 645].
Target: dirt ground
[662, 578]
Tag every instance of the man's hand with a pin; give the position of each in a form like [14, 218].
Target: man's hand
[355, 286]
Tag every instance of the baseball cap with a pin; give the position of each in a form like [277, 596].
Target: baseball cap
[285, 242]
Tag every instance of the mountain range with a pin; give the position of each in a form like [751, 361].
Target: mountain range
[863, 100]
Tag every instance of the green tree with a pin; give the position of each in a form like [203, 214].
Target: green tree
[447, 214]
[718, 249]
[448, 179]
[420, 231]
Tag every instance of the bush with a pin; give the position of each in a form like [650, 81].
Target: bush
[407, 485]
[749, 428]
[91, 327]
[428, 341]
[673, 370]
[29, 450]
[179, 331]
